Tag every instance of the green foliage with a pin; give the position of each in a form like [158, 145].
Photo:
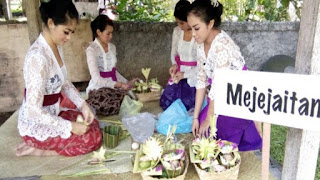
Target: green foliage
[277, 143]
[234, 10]
[259, 10]
[144, 10]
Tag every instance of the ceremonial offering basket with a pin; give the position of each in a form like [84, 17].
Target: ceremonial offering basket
[181, 177]
[230, 174]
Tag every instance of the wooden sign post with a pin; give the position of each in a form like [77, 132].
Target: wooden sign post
[302, 145]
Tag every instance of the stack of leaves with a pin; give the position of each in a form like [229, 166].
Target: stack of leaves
[214, 155]
[146, 86]
[161, 160]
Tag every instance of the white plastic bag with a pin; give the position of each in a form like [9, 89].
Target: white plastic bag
[140, 126]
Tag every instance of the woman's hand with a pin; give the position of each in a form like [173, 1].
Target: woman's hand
[79, 128]
[195, 127]
[178, 76]
[204, 128]
[173, 69]
[125, 86]
[131, 83]
[87, 113]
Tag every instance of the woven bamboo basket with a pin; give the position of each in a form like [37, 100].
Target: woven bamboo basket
[150, 96]
[229, 174]
[181, 177]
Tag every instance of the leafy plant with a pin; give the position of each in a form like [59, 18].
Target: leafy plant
[144, 10]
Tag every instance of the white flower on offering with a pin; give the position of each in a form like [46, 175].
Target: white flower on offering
[219, 168]
[226, 149]
[99, 155]
[152, 148]
[179, 154]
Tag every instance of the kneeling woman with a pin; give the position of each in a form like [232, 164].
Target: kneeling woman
[44, 128]
[107, 86]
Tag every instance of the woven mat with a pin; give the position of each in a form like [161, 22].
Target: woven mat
[52, 168]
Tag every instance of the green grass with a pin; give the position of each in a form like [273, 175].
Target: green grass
[277, 147]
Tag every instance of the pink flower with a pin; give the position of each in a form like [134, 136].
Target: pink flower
[159, 168]
[234, 145]
[221, 144]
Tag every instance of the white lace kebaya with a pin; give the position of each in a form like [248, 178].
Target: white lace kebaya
[44, 76]
[223, 54]
[101, 61]
[187, 50]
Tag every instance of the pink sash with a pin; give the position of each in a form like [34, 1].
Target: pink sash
[108, 74]
[49, 99]
[184, 63]
[180, 63]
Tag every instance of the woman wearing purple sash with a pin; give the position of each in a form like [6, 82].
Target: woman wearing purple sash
[107, 86]
[183, 56]
[217, 51]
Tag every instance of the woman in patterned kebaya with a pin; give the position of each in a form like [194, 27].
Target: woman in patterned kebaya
[184, 62]
[45, 129]
[107, 86]
[217, 51]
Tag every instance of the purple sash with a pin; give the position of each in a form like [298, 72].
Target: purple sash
[108, 74]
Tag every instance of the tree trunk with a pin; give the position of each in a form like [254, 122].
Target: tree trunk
[33, 19]
[6, 9]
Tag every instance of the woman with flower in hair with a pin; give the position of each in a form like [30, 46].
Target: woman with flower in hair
[45, 130]
[107, 86]
[184, 62]
[217, 51]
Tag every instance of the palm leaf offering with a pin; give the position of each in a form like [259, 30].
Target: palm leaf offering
[214, 155]
[146, 86]
[161, 159]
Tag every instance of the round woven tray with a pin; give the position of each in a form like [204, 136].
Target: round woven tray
[181, 177]
[230, 174]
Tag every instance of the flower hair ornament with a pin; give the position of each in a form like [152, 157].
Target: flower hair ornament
[214, 3]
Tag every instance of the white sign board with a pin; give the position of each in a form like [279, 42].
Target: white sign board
[285, 99]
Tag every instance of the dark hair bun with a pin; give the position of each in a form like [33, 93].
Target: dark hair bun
[181, 10]
[208, 10]
[100, 22]
[60, 11]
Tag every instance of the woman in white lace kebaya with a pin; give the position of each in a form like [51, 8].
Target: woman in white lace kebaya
[44, 128]
[217, 51]
[184, 62]
[107, 86]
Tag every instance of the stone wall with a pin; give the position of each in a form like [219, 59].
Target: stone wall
[138, 45]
